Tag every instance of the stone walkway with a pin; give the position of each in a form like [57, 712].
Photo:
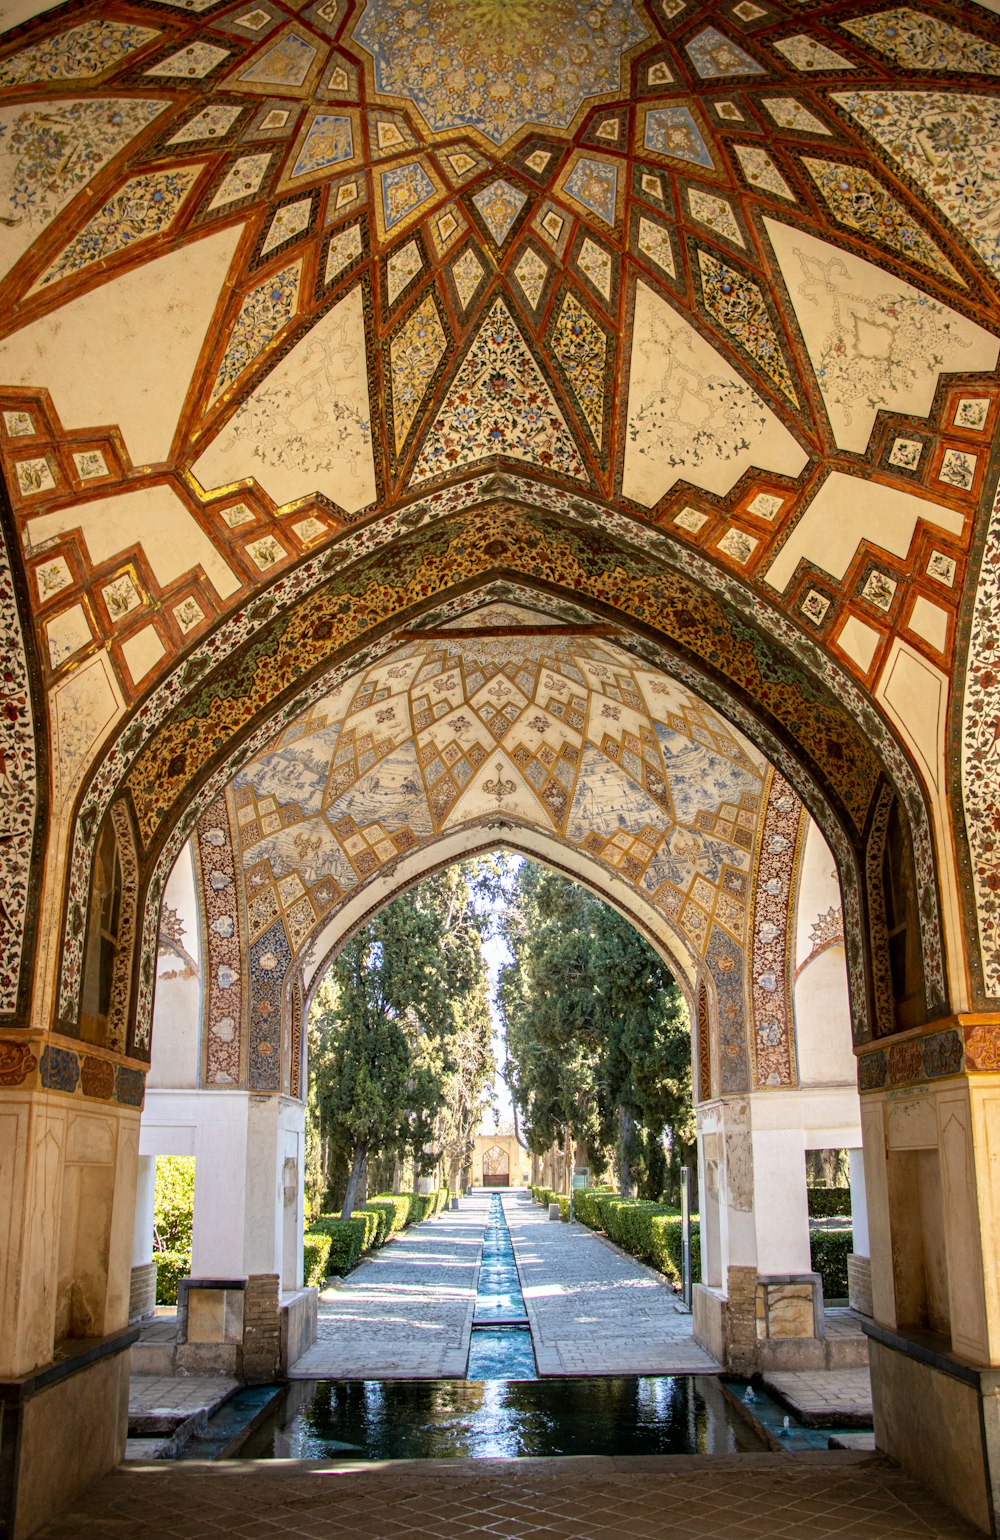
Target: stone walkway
[407, 1312]
[830, 1397]
[592, 1309]
[833, 1496]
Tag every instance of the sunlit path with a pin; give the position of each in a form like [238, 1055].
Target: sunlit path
[593, 1310]
[406, 1313]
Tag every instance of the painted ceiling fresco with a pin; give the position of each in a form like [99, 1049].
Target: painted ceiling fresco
[267, 269]
[563, 733]
[281, 281]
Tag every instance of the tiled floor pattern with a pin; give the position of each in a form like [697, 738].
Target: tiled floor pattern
[406, 1313]
[592, 1309]
[753, 1497]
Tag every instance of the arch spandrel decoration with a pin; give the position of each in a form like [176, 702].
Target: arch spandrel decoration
[655, 596]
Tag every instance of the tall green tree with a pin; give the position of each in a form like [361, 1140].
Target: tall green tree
[598, 1038]
[400, 1030]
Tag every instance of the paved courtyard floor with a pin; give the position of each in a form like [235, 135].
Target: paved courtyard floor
[407, 1312]
[592, 1309]
[753, 1497]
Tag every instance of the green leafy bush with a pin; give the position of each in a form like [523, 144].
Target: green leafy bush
[316, 1258]
[829, 1250]
[563, 1208]
[544, 1196]
[825, 1202]
[649, 1231]
[173, 1201]
[397, 1206]
[171, 1266]
[443, 1196]
[381, 1216]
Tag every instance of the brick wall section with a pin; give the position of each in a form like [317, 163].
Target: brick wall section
[261, 1328]
[142, 1293]
[741, 1320]
[859, 1283]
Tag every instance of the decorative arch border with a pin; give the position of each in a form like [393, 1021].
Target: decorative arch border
[733, 1062]
[660, 606]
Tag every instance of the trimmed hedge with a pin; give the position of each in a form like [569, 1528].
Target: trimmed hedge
[650, 1231]
[348, 1239]
[563, 1208]
[316, 1259]
[397, 1206]
[825, 1202]
[829, 1250]
[171, 1266]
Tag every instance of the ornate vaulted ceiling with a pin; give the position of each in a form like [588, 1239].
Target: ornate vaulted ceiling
[278, 277]
[495, 726]
[268, 268]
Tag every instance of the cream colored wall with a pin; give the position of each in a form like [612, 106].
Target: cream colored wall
[176, 1044]
[821, 1004]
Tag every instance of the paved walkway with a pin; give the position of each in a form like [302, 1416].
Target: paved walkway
[833, 1496]
[407, 1312]
[592, 1309]
[832, 1396]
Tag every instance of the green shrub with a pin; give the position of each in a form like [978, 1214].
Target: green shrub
[825, 1202]
[829, 1250]
[173, 1202]
[348, 1239]
[648, 1230]
[381, 1215]
[563, 1208]
[443, 1196]
[396, 1206]
[587, 1205]
[315, 1258]
[544, 1196]
[171, 1266]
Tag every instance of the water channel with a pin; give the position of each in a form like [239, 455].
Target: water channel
[501, 1408]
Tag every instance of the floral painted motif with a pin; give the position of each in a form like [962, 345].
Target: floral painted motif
[919, 41]
[772, 934]
[144, 207]
[738, 306]
[583, 350]
[263, 314]
[81, 53]
[497, 65]
[499, 404]
[981, 757]
[18, 796]
[760, 171]
[499, 204]
[950, 145]
[48, 152]
[857, 200]
[415, 352]
[716, 57]
[222, 995]
[674, 132]
[808, 53]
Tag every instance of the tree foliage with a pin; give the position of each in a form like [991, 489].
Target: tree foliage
[400, 1031]
[597, 1032]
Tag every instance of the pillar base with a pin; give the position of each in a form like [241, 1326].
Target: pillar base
[940, 1418]
[60, 1428]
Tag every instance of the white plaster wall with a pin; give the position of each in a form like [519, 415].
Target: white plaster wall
[176, 1043]
[820, 999]
[823, 1022]
[240, 1144]
[818, 891]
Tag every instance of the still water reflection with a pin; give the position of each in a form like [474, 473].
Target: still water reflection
[434, 1419]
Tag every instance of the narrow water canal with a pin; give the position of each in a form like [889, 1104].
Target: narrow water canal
[500, 1348]
[502, 1407]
